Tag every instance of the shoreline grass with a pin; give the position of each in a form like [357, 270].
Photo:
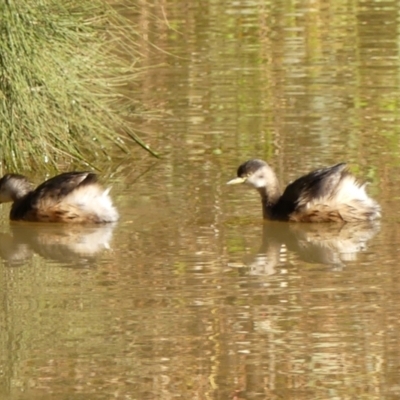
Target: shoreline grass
[62, 67]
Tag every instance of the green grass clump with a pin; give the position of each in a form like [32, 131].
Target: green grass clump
[64, 65]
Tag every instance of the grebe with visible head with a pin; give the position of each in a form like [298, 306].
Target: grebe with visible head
[72, 197]
[329, 194]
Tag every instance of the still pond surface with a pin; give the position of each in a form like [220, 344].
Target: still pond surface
[191, 295]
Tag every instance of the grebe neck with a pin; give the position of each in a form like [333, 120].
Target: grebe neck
[270, 196]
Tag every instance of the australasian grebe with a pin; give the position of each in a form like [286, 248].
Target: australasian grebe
[323, 195]
[72, 197]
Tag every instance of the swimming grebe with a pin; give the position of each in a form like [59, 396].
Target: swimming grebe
[323, 195]
[73, 197]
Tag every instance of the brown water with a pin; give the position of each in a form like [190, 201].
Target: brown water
[191, 295]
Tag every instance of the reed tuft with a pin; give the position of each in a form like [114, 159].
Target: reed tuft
[65, 66]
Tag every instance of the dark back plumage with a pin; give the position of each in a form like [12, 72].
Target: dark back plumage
[326, 194]
[60, 186]
[69, 197]
[316, 184]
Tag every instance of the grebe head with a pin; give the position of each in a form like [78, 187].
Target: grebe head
[256, 173]
[13, 187]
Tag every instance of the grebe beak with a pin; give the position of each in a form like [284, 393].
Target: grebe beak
[236, 181]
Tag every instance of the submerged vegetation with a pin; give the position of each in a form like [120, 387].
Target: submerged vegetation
[64, 66]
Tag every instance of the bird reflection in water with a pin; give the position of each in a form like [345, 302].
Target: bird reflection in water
[330, 244]
[68, 244]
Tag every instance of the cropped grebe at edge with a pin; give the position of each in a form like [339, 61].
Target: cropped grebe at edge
[72, 197]
[329, 194]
